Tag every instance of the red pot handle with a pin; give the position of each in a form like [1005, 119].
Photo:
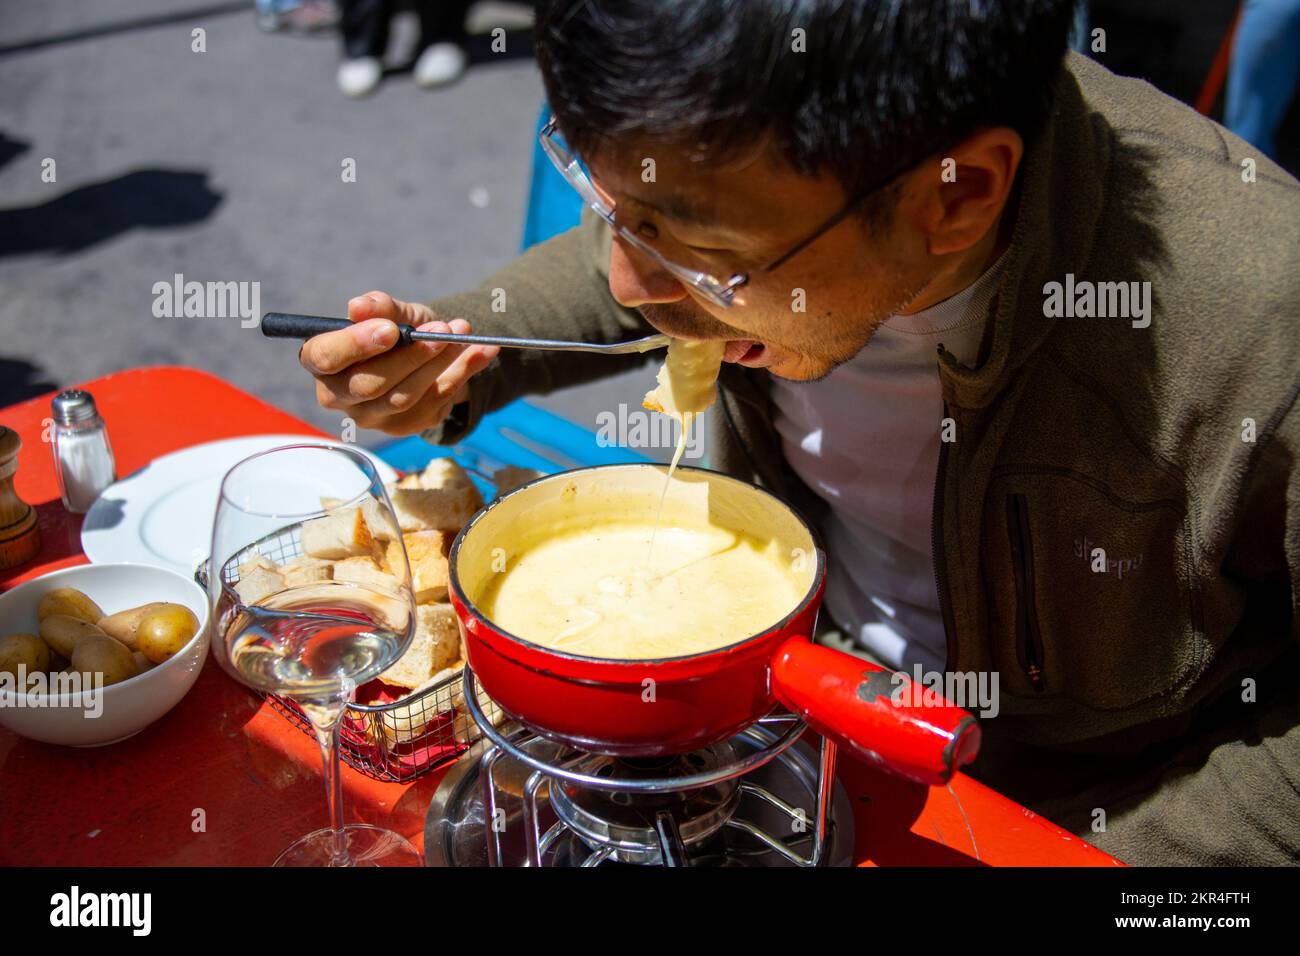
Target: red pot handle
[852, 702]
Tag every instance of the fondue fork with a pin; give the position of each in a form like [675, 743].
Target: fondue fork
[287, 325]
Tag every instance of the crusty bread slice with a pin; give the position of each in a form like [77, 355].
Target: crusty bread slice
[339, 534]
[380, 526]
[435, 646]
[363, 570]
[306, 570]
[258, 580]
[442, 497]
[427, 552]
[445, 473]
[407, 722]
[463, 727]
[434, 509]
[256, 561]
[511, 477]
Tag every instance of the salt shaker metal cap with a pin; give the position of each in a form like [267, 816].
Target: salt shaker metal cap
[83, 458]
[73, 405]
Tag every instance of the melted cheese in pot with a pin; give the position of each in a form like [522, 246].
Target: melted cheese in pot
[590, 592]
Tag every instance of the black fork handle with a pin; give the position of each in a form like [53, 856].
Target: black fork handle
[289, 325]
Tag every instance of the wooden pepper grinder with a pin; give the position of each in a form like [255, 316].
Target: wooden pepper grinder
[20, 538]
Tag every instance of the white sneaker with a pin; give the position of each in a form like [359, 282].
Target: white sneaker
[440, 64]
[359, 77]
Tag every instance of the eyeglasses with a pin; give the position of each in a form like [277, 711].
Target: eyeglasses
[718, 291]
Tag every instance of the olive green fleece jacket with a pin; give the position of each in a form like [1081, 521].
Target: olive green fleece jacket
[1151, 706]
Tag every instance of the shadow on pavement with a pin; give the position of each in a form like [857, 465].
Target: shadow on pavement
[21, 380]
[124, 26]
[88, 215]
[11, 149]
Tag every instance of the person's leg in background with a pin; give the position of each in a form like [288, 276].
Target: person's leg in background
[1264, 69]
[364, 26]
[298, 16]
[1079, 39]
[444, 54]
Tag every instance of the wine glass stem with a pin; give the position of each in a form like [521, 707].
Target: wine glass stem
[327, 735]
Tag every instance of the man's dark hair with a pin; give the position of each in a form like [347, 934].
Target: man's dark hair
[880, 85]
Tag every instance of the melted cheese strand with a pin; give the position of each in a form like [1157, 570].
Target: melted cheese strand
[686, 388]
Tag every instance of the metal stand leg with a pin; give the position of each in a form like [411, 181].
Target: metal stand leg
[825, 794]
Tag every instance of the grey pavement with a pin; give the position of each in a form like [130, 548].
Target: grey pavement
[225, 166]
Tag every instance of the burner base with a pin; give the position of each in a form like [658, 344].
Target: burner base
[454, 833]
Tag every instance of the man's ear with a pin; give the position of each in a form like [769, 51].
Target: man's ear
[969, 188]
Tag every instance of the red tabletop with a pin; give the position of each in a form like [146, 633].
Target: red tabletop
[257, 779]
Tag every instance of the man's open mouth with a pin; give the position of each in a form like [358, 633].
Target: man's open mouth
[744, 351]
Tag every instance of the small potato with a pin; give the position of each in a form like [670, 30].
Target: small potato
[123, 625]
[71, 602]
[62, 632]
[165, 631]
[25, 650]
[100, 654]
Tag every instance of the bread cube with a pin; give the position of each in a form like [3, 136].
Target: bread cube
[339, 534]
[427, 552]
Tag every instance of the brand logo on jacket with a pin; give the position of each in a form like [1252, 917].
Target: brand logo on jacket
[1101, 563]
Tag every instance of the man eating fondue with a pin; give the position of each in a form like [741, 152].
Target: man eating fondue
[1017, 334]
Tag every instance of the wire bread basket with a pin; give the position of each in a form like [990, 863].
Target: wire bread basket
[388, 739]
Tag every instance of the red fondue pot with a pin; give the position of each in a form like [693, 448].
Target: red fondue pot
[642, 708]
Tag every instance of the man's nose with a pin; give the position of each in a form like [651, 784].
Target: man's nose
[635, 279]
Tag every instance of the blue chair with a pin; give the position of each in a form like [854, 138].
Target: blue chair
[519, 434]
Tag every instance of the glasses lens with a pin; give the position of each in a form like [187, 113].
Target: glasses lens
[718, 292]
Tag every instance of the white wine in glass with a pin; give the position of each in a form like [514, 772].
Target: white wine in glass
[317, 642]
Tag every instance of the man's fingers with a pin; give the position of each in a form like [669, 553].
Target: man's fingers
[399, 363]
[381, 305]
[436, 382]
[372, 380]
[372, 333]
[471, 360]
[396, 390]
[332, 352]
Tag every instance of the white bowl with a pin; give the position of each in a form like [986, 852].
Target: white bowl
[125, 708]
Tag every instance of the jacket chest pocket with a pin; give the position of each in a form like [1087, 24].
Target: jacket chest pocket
[1087, 594]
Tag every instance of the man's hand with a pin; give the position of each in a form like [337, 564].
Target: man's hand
[398, 392]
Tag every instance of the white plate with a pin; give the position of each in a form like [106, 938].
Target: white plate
[162, 514]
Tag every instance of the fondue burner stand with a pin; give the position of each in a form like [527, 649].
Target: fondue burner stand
[761, 798]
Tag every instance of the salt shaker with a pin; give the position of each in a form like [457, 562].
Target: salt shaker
[83, 458]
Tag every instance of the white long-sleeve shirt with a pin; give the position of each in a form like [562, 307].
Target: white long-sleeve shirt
[866, 439]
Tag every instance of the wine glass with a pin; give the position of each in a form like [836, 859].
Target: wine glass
[307, 636]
